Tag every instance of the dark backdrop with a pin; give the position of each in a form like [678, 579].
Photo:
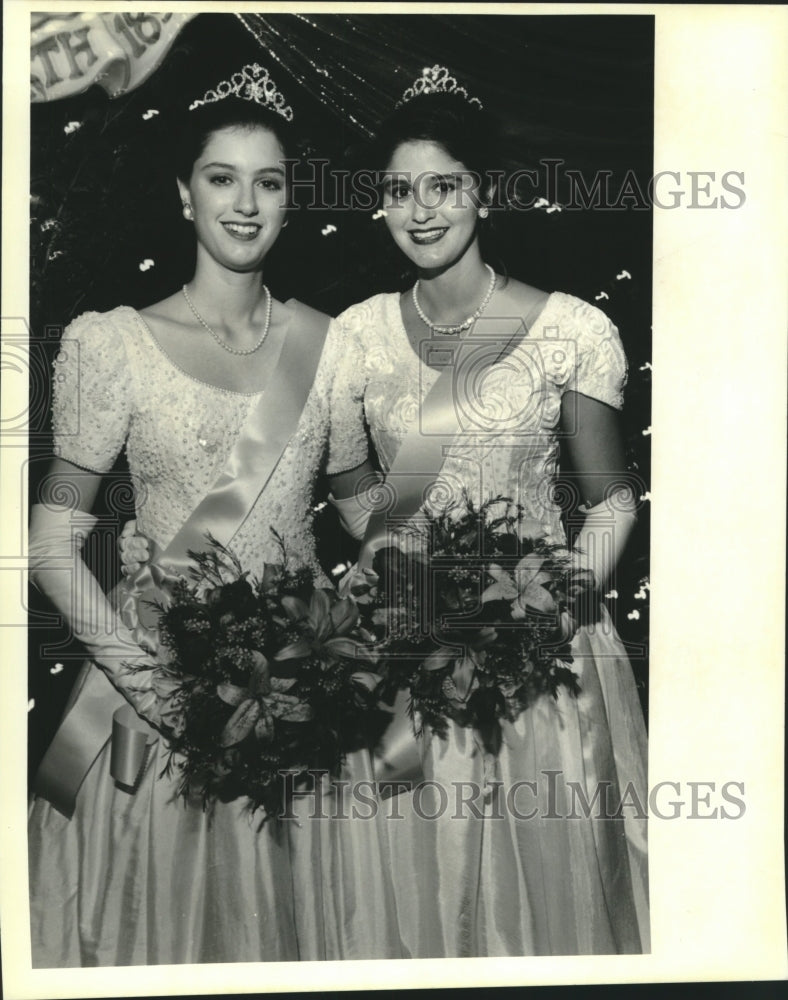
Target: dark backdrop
[573, 89]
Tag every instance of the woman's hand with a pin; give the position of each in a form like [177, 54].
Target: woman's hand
[361, 579]
[357, 584]
[584, 596]
[134, 549]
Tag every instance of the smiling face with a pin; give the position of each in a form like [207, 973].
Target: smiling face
[237, 193]
[431, 203]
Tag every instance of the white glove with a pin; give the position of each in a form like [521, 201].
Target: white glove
[353, 514]
[57, 569]
[604, 535]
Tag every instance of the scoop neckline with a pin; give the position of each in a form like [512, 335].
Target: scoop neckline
[193, 378]
[395, 298]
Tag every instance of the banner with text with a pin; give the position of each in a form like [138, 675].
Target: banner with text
[71, 52]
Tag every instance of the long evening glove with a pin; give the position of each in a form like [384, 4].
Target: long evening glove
[597, 550]
[604, 535]
[57, 569]
[353, 514]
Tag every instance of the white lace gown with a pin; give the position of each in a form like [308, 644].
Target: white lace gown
[517, 878]
[143, 878]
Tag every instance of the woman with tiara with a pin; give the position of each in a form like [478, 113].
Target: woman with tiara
[506, 876]
[515, 877]
[126, 874]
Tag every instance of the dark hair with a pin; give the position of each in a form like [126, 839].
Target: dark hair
[199, 125]
[465, 131]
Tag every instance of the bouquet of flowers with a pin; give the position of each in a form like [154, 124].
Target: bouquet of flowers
[474, 616]
[259, 677]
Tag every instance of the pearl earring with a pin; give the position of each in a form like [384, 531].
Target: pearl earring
[484, 212]
[187, 211]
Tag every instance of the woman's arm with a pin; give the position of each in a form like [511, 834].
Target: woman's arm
[591, 435]
[594, 445]
[91, 415]
[347, 497]
[59, 525]
[355, 481]
[349, 469]
[66, 485]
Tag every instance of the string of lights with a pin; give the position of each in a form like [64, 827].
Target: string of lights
[357, 67]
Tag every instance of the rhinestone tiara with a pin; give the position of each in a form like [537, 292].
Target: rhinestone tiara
[437, 80]
[252, 83]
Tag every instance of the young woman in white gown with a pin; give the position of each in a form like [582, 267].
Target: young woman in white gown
[125, 878]
[512, 877]
[525, 869]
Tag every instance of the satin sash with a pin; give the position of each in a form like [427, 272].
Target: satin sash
[85, 729]
[448, 410]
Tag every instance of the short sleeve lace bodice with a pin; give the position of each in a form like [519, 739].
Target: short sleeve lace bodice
[114, 385]
[514, 451]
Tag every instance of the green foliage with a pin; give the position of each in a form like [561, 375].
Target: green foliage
[473, 616]
[262, 677]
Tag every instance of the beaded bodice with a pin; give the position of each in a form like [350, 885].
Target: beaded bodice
[114, 385]
[512, 447]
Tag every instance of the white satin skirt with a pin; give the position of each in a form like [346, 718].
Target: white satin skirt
[146, 879]
[540, 852]
[544, 852]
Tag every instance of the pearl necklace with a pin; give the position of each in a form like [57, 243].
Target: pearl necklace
[223, 343]
[448, 331]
